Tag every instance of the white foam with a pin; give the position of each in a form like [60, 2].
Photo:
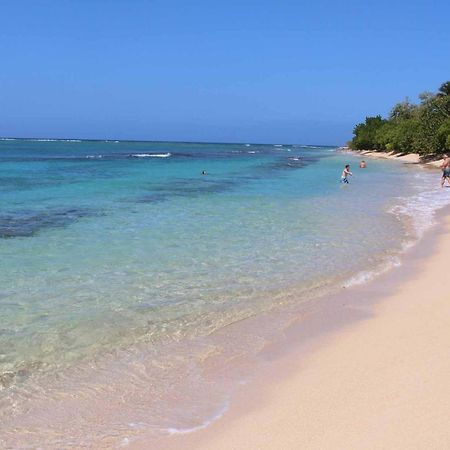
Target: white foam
[43, 140]
[51, 140]
[151, 155]
[205, 424]
[368, 275]
[421, 208]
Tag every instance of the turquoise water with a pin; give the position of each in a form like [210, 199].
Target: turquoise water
[107, 247]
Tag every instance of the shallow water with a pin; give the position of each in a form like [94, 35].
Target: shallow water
[121, 261]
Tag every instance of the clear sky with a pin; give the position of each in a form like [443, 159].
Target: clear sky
[233, 71]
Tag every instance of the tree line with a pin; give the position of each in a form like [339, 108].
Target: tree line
[422, 128]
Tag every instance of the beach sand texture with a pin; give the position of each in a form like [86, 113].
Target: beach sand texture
[408, 158]
[380, 383]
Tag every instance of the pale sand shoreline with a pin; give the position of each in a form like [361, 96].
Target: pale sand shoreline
[380, 382]
[409, 158]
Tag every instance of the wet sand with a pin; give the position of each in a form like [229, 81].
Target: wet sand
[375, 376]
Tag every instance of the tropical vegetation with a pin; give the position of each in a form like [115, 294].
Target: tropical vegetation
[422, 128]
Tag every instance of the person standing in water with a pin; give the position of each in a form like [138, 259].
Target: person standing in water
[445, 166]
[345, 173]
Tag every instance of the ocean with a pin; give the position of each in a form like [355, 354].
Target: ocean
[123, 266]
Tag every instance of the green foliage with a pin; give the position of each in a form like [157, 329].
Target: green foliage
[365, 133]
[410, 128]
[444, 89]
[402, 111]
[444, 134]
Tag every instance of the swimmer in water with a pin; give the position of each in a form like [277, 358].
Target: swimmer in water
[362, 165]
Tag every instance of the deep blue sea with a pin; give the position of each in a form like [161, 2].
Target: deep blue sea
[111, 250]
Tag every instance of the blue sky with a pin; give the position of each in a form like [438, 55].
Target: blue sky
[231, 71]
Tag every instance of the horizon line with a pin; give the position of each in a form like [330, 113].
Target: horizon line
[75, 139]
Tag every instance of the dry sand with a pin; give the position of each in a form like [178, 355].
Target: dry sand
[409, 158]
[382, 382]
[412, 158]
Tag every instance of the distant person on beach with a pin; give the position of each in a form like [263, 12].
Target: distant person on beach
[362, 165]
[345, 173]
[445, 166]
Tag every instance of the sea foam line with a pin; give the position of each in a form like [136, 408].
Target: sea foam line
[203, 425]
[150, 155]
[421, 210]
[368, 275]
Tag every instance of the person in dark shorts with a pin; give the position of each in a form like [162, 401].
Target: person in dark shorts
[445, 166]
[345, 173]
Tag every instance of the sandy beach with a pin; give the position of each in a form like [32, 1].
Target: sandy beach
[379, 382]
[407, 158]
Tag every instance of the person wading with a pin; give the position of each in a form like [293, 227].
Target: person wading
[445, 166]
[345, 173]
